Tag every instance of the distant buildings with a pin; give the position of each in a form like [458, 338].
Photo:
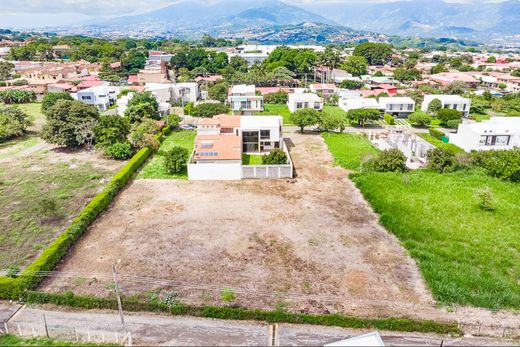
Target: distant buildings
[397, 106]
[102, 97]
[347, 104]
[244, 101]
[496, 133]
[454, 102]
[298, 101]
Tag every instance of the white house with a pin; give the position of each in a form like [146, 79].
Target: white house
[221, 141]
[298, 101]
[161, 91]
[397, 106]
[496, 133]
[454, 102]
[103, 97]
[186, 91]
[244, 101]
[347, 104]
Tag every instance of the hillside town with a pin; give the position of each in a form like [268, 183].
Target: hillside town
[360, 186]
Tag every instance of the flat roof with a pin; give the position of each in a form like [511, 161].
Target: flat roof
[304, 97]
[256, 122]
[217, 147]
[397, 99]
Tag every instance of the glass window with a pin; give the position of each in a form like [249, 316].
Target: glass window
[502, 140]
[265, 134]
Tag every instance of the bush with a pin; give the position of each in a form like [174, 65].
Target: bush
[275, 157]
[390, 160]
[279, 97]
[389, 119]
[13, 122]
[453, 124]
[485, 199]
[142, 134]
[420, 118]
[436, 133]
[13, 96]
[119, 150]
[172, 120]
[209, 110]
[504, 164]
[305, 117]
[227, 295]
[441, 160]
[52, 98]
[110, 130]
[445, 115]
[176, 159]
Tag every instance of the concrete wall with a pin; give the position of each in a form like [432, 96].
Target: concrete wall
[215, 171]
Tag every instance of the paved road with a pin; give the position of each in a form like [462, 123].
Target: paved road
[150, 329]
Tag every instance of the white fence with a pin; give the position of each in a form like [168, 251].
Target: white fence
[270, 171]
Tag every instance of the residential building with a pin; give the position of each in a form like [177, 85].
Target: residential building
[347, 104]
[495, 133]
[397, 106]
[102, 97]
[454, 102]
[161, 91]
[158, 56]
[299, 101]
[326, 89]
[244, 101]
[446, 78]
[185, 91]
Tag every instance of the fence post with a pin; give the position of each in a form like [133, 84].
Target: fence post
[6, 328]
[45, 325]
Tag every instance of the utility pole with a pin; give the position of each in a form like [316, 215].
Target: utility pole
[116, 289]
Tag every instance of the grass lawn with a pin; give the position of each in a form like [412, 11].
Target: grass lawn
[154, 168]
[333, 110]
[277, 110]
[12, 340]
[17, 145]
[37, 118]
[467, 256]
[348, 149]
[438, 143]
[479, 117]
[252, 159]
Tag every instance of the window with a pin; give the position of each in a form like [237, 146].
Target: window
[299, 105]
[206, 145]
[494, 140]
[265, 134]
[86, 97]
[410, 107]
[316, 105]
[464, 107]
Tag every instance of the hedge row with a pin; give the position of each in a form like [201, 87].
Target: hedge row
[13, 288]
[436, 133]
[234, 313]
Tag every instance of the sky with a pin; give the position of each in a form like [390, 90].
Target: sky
[33, 13]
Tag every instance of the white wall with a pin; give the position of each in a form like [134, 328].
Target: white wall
[212, 171]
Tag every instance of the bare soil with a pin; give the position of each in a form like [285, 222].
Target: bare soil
[311, 244]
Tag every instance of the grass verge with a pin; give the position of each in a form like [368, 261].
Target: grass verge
[438, 143]
[12, 340]
[277, 110]
[348, 150]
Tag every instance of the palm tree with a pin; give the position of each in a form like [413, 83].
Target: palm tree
[329, 58]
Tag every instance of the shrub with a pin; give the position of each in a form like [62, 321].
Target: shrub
[434, 107]
[209, 110]
[172, 120]
[420, 118]
[453, 123]
[390, 160]
[119, 150]
[227, 295]
[176, 159]
[13, 122]
[485, 199]
[389, 119]
[441, 160]
[504, 164]
[436, 133]
[279, 97]
[275, 157]
[142, 134]
[13, 96]
[110, 130]
[446, 115]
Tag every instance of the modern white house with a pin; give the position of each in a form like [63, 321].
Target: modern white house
[244, 101]
[103, 97]
[454, 102]
[397, 106]
[221, 141]
[347, 104]
[185, 91]
[298, 101]
[495, 133]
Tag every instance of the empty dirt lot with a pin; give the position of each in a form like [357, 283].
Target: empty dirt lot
[311, 244]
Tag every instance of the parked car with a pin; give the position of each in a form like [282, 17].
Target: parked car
[188, 127]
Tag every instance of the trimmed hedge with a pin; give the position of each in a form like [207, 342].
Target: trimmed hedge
[436, 133]
[389, 119]
[13, 288]
[235, 313]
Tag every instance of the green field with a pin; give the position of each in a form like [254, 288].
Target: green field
[333, 110]
[154, 168]
[277, 110]
[348, 150]
[12, 340]
[37, 118]
[252, 159]
[467, 256]
[438, 143]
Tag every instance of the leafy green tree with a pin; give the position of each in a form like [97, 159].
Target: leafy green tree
[64, 120]
[330, 58]
[516, 73]
[275, 157]
[350, 84]
[110, 130]
[14, 96]
[331, 121]
[445, 115]
[219, 91]
[51, 98]
[13, 122]
[282, 75]
[374, 53]
[136, 113]
[361, 116]
[402, 74]
[355, 65]
[279, 97]
[438, 69]
[492, 59]
[133, 61]
[176, 159]
[434, 107]
[6, 70]
[209, 110]
[142, 134]
[173, 120]
[305, 117]
[237, 63]
[420, 118]
[456, 88]
[145, 98]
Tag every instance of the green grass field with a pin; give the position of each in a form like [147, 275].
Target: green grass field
[154, 168]
[12, 340]
[333, 110]
[252, 159]
[438, 143]
[277, 110]
[348, 150]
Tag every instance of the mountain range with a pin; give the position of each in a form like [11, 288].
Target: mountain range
[490, 22]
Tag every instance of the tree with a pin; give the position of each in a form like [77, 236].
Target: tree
[361, 116]
[275, 157]
[142, 134]
[329, 58]
[420, 118]
[445, 115]
[173, 120]
[492, 59]
[133, 61]
[402, 74]
[136, 113]
[64, 120]
[456, 88]
[305, 117]
[51, 98]
[176, 159]
[516, 73]
[85, 132]
[119, 150]
[441, 160]
[13, 122]
[209, 110]
[110, 130]
[279, 97]
[237, 63]
[350, 84]
[15, 96]
[434, 107]
[438, 69]
[219, 91]
[355, 65]
[282, 75]
[374, 53]
[330, 121]
[6, 70]
[146, 98]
